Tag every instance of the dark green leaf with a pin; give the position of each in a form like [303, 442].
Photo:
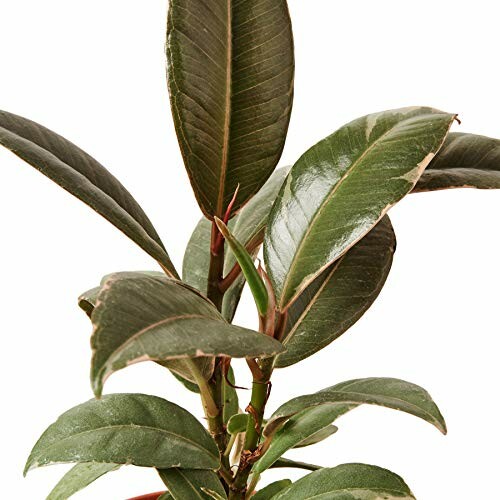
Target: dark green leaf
[126, 429]
[246, 263]
[319, 436]
[272, 489]
[230, 69]
[339, 296]
[187, 484]
[286, 463]
[248, 227]
[237, 423]
[230, 396]
[340, 189]
[141, 318]
[166, 496]
[348, 482]
[82, 176]
[79, 477]
[388, 392]
[300, 427]
[465, 160]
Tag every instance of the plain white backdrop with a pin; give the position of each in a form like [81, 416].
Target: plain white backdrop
[94, 71]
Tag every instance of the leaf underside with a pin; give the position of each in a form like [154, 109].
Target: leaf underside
[230, 77]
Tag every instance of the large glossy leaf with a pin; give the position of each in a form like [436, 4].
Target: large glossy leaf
[465, 160]
[348, 482]
[300, 427]
[140, 318]
[272, 489]
[388, 392]
[339, 189]
[230, 76]
[82, 176]
[78, 478]
[186, 484]
[339, 296]
[126, 429]
[248, 227]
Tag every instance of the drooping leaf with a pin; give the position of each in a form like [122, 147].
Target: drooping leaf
[286, 463]
[139, 318]
[187, 484]
[230, 77]
[237, 423]
[319, 436]
[387, 392]
[248, 227]
[87, 301]
[348, 482]
[245, 260]
[339, 296]
[300, 427]
[465, 160]
[339, 189]
[82, 176]
[126, 429]
[272, 489]
[78, 478]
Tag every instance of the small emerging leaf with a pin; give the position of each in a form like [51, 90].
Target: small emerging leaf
[138, 429]
[348, 482]
[237, 423]
[79, 477]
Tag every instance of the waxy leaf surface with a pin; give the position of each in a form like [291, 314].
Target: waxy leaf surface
[348, 482]
[82, 176]
[78, 478]
[465, 160]
[339, 296]
[388, 392]
[230, 77]
[126, 429]
[339, 189]
[187, 484]
[140, 318]
[248, 227]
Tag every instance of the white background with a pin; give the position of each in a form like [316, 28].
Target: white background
[94, 71]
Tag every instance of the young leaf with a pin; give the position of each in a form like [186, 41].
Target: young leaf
[271, 489]
[183, 483]
[79, 477]
[257, 286]
[230, 76]
[300, 427]
[237, 423]
[388, 392]
[340, 189]
[140, 318]
[135, 428]
[465, 160]
[82, 176]
[348, 482]
[247, 226]
[339, 296]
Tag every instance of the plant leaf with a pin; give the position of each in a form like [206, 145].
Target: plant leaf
[465, 160]
[237, 423]
[339, 296]
[245, 260]
[272, 489]
[82, 176]
[187, 484]
[230, 77]
[78, 478]
[286, 463]
[140, 318]
[126, 429]
[231, 404]
[248, 227]
[349, 482]
[339, 189]
[319, 436]
[166, 496]
[298, 428]
[388, 392]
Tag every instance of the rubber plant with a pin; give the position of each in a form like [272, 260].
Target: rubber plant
[327, 242]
